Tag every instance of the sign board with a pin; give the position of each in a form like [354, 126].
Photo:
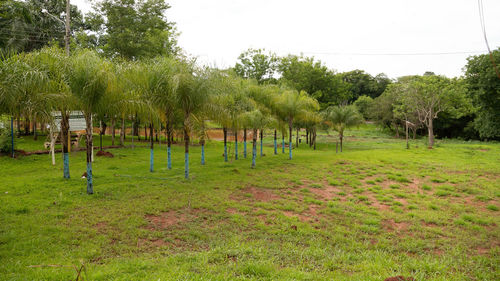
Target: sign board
[76, 121]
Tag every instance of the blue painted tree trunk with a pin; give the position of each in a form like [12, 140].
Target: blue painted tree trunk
[169, 158]
[275, 147]
[283, 145]
[90, 185]
[245, 143]
[66, 165]
[254, 154]
[186, 165]
[290, 149]
[151, 161]
[261, 154]
[202, 154]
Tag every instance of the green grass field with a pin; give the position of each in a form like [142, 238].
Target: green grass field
[374, 211]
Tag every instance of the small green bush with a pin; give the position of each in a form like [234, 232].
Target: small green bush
[426, 187]
[5, 140]
[492, 208]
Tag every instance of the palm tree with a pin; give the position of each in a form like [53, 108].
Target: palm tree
[292, 105]
[54, 63]
[311, 121]
[341, 118]
[191, 96]
[164, 97]
[255, 119]
[88, 80]
[153, 83]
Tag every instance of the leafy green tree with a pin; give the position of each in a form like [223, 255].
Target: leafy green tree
[292, 105]
[361, 83]
[430, 95]
[88, 81]
[382, 109]
[341, 118]
[306, 74]
[256, 64]
[484, 86]
[363, 104]
[133, 28]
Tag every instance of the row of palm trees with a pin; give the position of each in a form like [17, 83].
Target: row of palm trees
[162, 93]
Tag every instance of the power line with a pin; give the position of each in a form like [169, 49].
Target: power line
[394, 54]
[483, 27]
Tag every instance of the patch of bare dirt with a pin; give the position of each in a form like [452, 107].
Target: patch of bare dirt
[165, 220]
[429, 224]
[104, 153]
[258, 194]
[159, 243]
[310, 215]
[391, 225]
[232, 211]
[101, 226]
[402, 201]
[325, 193]
[375, 203]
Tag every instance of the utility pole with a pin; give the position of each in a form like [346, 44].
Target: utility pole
[67, 25]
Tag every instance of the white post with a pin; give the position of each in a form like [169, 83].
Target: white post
[52, 144]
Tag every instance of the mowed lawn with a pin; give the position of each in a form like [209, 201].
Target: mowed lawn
[374, 211]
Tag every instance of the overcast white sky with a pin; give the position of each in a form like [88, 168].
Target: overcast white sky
[344, 35]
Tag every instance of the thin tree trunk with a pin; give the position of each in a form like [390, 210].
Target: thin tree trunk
[254, 147]
[151, 158]
[225, 144]
[406, 131]
[169, 143]
[341, 139]
[202, 142]
[282, 142]
[314, 138]
[186, 149]
[297, 138]
[122, 132]
[27, 126]
[101, 132]
[430, 128]
[88, 121]
[307, 136]
[290, 126]
[35, 135]
[275, 143]
[236, 145]
[113, 131]
[261, 141]
[64, 140]
[245, 143]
